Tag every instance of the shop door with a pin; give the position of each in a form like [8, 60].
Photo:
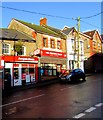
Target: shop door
[17, 77]
[58, 69]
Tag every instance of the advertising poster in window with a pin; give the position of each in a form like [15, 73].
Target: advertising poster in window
[17, 82]
[27, 78]
[32, 77]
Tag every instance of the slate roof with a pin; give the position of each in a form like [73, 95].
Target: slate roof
[56, 30]
[102, 36]
[12, 34]
[67, 30]
[43, 29]
[90, 33]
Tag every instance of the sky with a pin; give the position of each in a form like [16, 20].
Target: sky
[58, 14]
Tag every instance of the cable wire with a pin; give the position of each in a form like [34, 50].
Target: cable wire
[56, 16]
[35, 12]
[90, 24]
[91, 16]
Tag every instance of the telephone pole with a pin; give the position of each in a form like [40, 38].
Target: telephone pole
[78, 30]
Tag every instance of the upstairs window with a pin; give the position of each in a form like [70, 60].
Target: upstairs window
[72, 42]
[58, 44]
[23, 51]
[99, 45]
[94, 44]
[87, 44]
[6, 48]
[45, 42]
[52, 43]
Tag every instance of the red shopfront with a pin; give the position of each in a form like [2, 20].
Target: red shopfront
[52, 63]
[23, 70]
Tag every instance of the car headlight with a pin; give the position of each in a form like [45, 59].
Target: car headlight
[68, 76]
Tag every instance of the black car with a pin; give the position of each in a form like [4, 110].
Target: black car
[73, 76]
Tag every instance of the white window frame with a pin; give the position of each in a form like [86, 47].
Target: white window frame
[72, 44]
[6, 48]
[24, 50]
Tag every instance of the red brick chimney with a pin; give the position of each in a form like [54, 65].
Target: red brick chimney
[43, 21]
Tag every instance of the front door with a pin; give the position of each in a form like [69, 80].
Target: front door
[17, 77]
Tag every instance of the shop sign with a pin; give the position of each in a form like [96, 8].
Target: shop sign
[19, 58]
[37, 52]
[53, 54]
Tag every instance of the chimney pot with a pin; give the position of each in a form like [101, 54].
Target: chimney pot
[43, 21]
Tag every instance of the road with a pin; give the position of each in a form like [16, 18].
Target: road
[80, 100]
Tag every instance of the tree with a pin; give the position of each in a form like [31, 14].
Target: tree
[18, 47]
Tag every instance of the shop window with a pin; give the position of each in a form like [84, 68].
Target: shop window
[16, 74]
[48, 70]
[6, 48]
[54, 72]
[59, 68]
[32, 74]
[28, 75]
[7, 70]
[42, 71]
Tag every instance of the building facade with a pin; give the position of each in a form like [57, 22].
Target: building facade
[45, 52]
[93, 49]
[22, 66]
[51, 45]
[75, 48]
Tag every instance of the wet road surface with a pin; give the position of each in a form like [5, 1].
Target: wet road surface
[57, 101]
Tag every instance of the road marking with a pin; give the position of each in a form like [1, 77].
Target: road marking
[99, 105]
[79, 115]
[21, 100]
[90, 109]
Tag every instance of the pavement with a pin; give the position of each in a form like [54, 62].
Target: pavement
[29, 86]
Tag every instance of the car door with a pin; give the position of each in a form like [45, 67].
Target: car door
[75, 75]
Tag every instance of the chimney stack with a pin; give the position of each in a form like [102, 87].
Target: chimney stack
[43, 21]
